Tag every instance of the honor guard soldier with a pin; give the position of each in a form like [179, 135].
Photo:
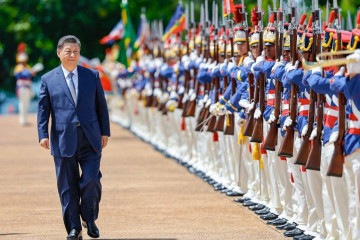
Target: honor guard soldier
[23, 74]
[349, 87]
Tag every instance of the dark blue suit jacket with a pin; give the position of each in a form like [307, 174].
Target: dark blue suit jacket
[91, 111]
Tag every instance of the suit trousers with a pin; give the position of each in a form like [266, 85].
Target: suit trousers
[79, 194]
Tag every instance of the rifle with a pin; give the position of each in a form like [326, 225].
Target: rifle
[287, 146]
[230, 118]
[204, 112]
[249, 127]
[254, 97]
[272, 136]
[258, 132]
[219, 126]
[192, 103]
[216, 84]
[337, 159]
[314, 159]
[187, 74]
[304, 150]
[180, 103]
[150, 98]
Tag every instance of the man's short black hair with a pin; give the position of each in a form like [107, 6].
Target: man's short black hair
[68, 39]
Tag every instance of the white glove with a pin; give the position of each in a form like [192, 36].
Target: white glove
[257, 113]
[341, 72]
[304, 130]
[277, 64]
[221, 110]
[205, 98]
[287, 123]
[250, 106]
[37, 67]
[248, 60]
[354, 67]
[244, 103]
[164, 97]
[260, 58]
[334, 137]
[157, 92]
[185, 58]
[185, 98]
[201, 104]
[272, 118]
[186, 64]
[252, 68]
[171, 105]
[208, 103]
[213, 109]
[192, 96]
[173, 95]
[316, 70]
[181, 89]
[293, 67]
[148, 91]
[313, 134]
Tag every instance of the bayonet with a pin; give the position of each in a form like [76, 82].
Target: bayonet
[349, 21]
[327, 11]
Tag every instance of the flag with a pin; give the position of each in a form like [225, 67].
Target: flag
[228, 7]
[116, 34]
[143, 31]
[176, 24]
[126, 44]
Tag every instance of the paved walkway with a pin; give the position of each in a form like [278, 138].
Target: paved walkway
[145, 195]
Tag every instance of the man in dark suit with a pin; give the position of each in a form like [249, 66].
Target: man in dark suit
[72, 95]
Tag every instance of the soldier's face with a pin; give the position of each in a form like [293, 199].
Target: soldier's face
[221, 58]
[286, 55]
[270, 51]
[241, 49]
[255, 51]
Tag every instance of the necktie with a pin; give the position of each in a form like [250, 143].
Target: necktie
[72, 86]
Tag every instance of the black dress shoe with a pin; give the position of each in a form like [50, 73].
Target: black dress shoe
[92, 229]
[269, 216]
[293, 233]
[211, 182]
[219, 187]
[263, 211]
[303, 237]
[241, 200]
[249, 203]
[74, 235]
[231, 193]
[224, 190]
[257, 207]
[278, 221]
[287, 227]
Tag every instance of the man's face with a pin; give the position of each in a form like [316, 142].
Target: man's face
[241, 49]
[69, 55]
[270, 51]
[255, 51]
[286, 55]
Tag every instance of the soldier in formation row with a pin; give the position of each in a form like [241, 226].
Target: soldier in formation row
[251, 111]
